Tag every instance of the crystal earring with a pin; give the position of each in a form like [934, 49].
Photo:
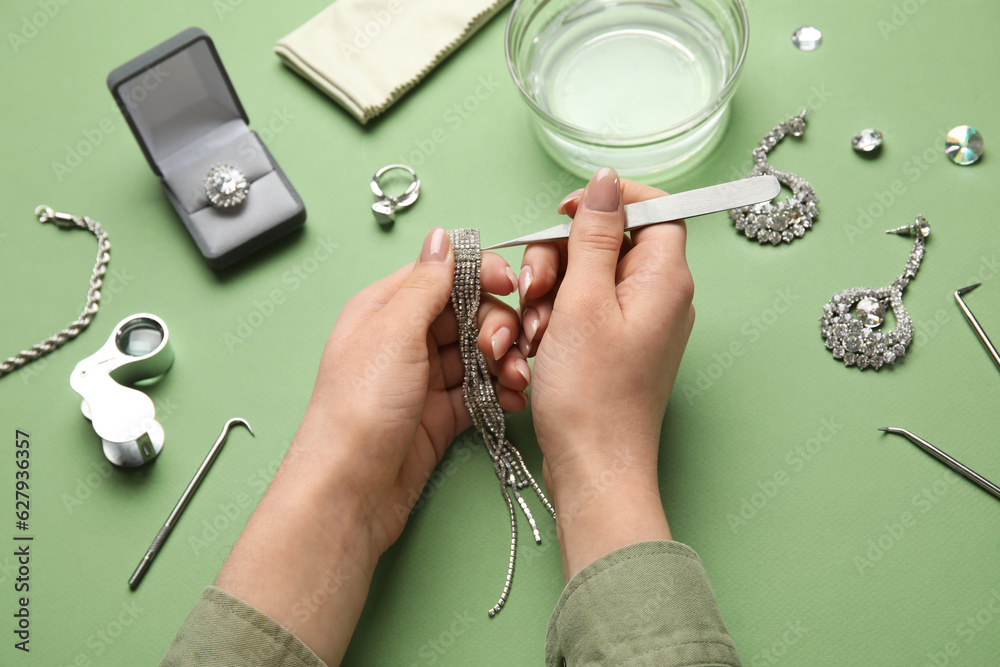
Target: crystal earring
[786, 220]
[481, 399]
[852, 336]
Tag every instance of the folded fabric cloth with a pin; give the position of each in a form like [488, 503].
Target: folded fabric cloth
[367, 53]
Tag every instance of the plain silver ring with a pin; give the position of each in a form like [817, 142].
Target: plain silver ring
[409, 195]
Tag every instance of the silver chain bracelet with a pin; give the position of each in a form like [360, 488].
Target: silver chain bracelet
[55, 341]
[481, 399]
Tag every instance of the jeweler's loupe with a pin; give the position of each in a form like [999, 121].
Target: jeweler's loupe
[137, 352]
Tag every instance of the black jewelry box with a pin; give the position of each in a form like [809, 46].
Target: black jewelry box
[187, 118]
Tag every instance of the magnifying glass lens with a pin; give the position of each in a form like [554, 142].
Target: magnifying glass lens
[139, 337]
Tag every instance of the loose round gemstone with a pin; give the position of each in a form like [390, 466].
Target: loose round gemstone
[807, 38]
[870, 312]
[963, 145]
[867, 141]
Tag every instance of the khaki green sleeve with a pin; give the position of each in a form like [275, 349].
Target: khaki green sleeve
[649, 603]
[224, 631]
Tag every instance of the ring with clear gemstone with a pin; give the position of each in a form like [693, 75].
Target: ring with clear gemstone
[226, 186]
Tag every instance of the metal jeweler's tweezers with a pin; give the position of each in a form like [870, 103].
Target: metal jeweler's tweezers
[975, 323]
[175, 513]
[955, 465]
[715, 198]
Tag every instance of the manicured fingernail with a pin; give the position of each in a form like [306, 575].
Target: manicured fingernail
[530, 322]
[561, 209]
[500, 341]
[512, 277]
[521, 366]
[435, 246]
[525, 282]
[602, 191]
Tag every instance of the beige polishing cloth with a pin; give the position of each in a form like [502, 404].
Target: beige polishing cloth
[367, 53]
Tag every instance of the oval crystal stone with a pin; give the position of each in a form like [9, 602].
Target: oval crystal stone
[867, 141]
[807, 38]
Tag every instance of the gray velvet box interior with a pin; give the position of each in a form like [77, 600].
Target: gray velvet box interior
[186, 116]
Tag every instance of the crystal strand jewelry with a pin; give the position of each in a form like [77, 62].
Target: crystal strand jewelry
[481, 400]
[851, 336]
[786, 220]
[54, 342]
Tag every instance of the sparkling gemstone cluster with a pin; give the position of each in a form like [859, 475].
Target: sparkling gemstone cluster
[851, 317]
[226, 186]
[786, 220]
[852, 337]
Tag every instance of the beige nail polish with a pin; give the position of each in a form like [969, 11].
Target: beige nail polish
[522, 367]
[527, 276]
[531, 325]
[512, 277]
[497, 341]
[561, 209]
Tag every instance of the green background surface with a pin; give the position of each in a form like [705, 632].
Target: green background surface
[800, 577]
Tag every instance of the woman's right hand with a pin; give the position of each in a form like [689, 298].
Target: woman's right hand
[607, 319]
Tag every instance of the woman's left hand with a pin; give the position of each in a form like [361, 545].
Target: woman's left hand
[386, 404]
[389, 390]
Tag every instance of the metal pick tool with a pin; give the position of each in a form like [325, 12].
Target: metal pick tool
[952, 463]
[175, 514]
[690, 204]
[975, 323]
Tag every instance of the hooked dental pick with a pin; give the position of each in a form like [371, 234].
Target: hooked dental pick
[175, 514]
[975, 323]
[952, 463]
